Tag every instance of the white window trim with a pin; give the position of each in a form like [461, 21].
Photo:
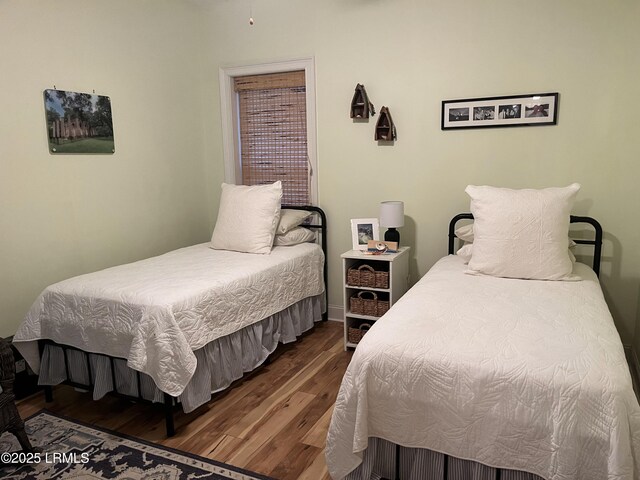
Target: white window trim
[229, 107]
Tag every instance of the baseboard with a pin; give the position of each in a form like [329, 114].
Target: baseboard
[336, 313]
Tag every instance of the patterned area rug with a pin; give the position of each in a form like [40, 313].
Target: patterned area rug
[77, 451]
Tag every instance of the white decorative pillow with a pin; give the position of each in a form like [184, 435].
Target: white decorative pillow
[295, 236]
[465, 233]
[290, 219]
[521, 233]
[247, 218]
[465, 252]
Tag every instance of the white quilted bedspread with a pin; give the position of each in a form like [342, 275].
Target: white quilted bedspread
[157, 311]
[521, 374]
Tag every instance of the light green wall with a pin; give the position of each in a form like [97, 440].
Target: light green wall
[158, 60]
[70, 214]
[412, 55]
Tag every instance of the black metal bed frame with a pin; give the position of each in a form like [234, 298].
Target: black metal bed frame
[170, 401]
[597, 254]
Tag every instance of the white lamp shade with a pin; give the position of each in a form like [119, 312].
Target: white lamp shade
[392, 214]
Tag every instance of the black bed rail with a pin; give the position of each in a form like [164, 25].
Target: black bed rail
[322, 226]
[452, 229]
[596, 242]
[169, 401]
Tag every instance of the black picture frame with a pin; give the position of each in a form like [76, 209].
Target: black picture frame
[527, 110]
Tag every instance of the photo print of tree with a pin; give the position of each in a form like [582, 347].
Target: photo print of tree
[78, 122]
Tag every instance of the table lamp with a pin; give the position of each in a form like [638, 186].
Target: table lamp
[392, 217]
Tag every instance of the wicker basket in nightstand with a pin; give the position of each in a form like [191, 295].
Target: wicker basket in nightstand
[372, 284]
[372, 306]
[366, 276]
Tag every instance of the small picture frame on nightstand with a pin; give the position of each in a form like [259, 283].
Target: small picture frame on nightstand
[363, 230]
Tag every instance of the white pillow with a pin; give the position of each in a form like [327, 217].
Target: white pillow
[247, 218]
[465, 233]
[290, 219]
[295, 236]
[521, 233]
[466, 251]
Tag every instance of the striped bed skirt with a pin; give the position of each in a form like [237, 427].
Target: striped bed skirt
[220, 362]
[379, 463]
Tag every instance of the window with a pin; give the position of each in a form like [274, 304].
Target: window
[269, 127]
[273, 133]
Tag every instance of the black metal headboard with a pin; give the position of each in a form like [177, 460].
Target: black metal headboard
[322, 226]
[596, 242]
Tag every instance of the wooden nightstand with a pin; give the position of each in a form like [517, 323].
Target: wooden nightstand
[397, 267]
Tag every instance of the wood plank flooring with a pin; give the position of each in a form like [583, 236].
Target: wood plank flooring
[274, 421]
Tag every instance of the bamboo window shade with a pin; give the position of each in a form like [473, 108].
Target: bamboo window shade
[273, 133]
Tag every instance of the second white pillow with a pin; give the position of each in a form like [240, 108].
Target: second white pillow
[295, 236]
[290, 219]
[521, 233]
[247, 218]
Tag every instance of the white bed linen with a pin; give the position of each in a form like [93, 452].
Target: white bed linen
[157, 311]
[521, 374]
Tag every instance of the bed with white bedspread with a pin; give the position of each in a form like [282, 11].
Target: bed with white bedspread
[516, 374]
[502, 362]
[158, 311]
[179, 327]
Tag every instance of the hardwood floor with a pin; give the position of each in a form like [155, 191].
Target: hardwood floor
[274, 421]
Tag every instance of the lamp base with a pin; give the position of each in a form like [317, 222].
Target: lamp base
[392, 235]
